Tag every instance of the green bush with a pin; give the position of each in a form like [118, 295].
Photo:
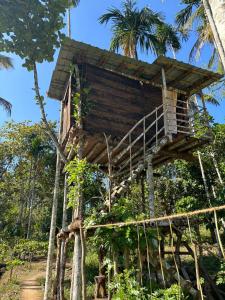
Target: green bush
[126, 287]
[27, 249]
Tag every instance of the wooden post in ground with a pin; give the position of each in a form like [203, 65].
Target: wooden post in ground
[150, 183]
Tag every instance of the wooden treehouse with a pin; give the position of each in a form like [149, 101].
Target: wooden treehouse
[142, 110]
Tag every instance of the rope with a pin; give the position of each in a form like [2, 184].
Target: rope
[164, 218]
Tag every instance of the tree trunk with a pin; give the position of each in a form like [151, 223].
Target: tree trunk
[215, 11]
[51, 247]
[49, 131]
[217, 168]
[77, 286]
[126, 258]
[31, 206]
[63, 245]
[203, 177]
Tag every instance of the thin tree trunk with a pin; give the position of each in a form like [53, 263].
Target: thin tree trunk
[49, 131]
[77, 285]
[203, 177]
[217, 168]
[63, 245]
[51, 247]
[31, 207]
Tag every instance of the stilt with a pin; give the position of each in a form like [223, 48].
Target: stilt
[150, 183]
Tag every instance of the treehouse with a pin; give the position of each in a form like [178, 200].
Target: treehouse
[131, 110]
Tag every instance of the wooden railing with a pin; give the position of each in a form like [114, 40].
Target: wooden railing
[150, 133]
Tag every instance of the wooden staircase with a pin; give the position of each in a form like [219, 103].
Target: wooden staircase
[123, 186]
[150, 139]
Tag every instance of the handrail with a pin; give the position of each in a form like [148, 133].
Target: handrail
[153, 121]
[135, 126]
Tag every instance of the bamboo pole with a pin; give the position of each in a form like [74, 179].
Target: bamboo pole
[150, 182]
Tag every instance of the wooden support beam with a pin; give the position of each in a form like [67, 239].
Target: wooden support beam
[103, 60]
[93, 150]
[138, 72]
[180, 77]
[101, 155]
[158, 76]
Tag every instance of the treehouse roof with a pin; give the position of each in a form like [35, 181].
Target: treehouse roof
[180, 76]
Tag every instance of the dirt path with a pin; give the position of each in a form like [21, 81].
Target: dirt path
[30, 286]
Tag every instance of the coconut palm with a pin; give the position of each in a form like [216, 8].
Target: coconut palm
[5, 63]
[193, 17]
[133, 28]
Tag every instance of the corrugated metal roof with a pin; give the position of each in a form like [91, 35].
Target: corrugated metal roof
[180, 76]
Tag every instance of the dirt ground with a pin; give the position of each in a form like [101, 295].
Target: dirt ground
[30, 285]
[25, 283]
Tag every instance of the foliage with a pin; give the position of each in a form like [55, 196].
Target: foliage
[38, 22]
[126, 287]
[81, 178]
[220, 277]
[133, 28]
[6, 63]
[27, 163]
[193, 17]
[30, 249]
[172, 293]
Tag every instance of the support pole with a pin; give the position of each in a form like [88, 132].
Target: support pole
[150, 183]
[164, 96]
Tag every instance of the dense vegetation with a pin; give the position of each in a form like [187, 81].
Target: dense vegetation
[126, 262]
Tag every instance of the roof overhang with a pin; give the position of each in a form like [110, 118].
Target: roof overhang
[180, 76]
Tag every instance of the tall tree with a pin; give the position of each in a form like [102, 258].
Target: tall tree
[5, 63]
[193, 16]
[133, 28]
[40, 24]
[215, 11]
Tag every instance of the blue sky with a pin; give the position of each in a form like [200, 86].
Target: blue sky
[17, 85]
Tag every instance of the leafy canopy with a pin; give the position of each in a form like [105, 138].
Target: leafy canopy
[32, 29]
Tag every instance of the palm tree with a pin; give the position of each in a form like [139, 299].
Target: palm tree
[191, 17]
[5, 63]
[133, 28]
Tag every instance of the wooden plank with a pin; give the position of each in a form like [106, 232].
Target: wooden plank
[93, 151]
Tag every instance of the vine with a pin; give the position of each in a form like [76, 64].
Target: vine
[81, 177]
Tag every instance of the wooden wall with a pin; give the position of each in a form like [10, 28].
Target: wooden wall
[117, 102]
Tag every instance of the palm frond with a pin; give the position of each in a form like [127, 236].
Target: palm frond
[113, 14]
[183, 16]
[133, 27]
[5, 62]
[211, 99]
[6, 105]
[75, 3]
